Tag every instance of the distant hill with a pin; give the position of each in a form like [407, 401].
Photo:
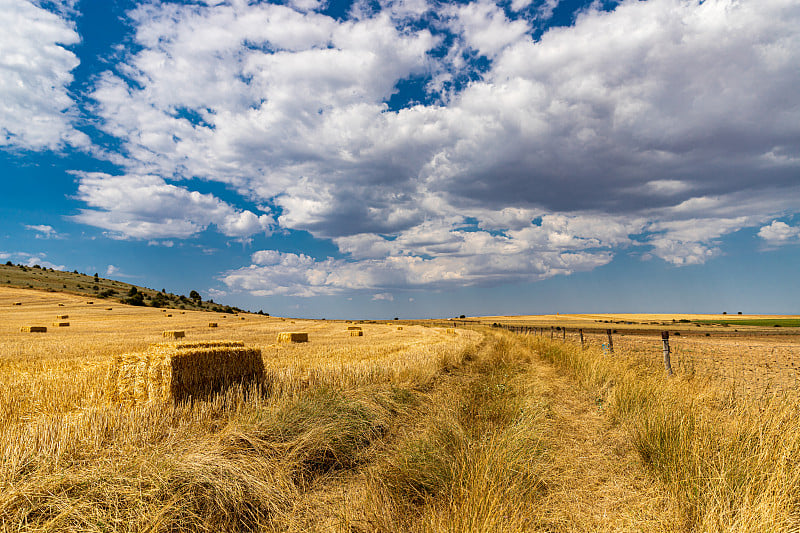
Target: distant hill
[50, 280]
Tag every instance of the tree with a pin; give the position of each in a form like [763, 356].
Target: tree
[194, 295]
[133, 291]
[462, 316]
[96, 278]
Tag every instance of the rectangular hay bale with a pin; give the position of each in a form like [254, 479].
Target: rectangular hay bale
[195, 344]
[33, 329]
[174, 334]
[62, 317]
[293, 336]
[353, 328]
[212, 325]
[173, 373]
[356, 333]
[61, 324]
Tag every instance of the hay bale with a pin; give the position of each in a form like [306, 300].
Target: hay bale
[399, 328]
[353, 328]
[195, 344]
[17, 303]
[163, 310]
[173, 373]
[169, 315]
[212, 324]
[242, 318]
[62, 317]
[356, 333]
[174, 334]
[109, 308]
[293, 336]
[61, 305]
[33, 329]
[61, 324]
[90, 303]
[451, 331]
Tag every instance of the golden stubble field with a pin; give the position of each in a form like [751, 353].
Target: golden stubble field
[753, 359]
[62, 370]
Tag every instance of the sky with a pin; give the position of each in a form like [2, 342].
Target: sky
[409, 158]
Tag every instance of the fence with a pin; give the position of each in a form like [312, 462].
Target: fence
[753, 364]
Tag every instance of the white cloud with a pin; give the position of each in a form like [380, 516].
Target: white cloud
[111, 270]
[383, 296]
[28, 259]
[277, 273]
[485, 27]
[36, 110]
[44, 231]
[216, 293]
[779, 233]
[147, 207]
[632, 128]
[166, 244]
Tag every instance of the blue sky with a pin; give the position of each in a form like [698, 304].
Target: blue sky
[410, 158]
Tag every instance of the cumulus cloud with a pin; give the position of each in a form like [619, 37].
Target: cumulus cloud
[28, 259]
[277, 273]
[662, 125]
[779, 233]
[44, 231]
[36, 110]
[383, 296]
[147, 207]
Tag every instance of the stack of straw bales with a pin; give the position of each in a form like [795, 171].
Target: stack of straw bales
[173, 373]
[356, 333]
[293, 336]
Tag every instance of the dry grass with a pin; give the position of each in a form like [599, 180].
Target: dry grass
[733, 461]
[414, 430]
[239, 460]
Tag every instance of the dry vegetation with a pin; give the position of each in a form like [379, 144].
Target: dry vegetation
[412, 429]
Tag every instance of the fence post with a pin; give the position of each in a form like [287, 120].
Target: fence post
[581, 332]
[665, 343]
[610, 342]
[564, 334]
[551, 332]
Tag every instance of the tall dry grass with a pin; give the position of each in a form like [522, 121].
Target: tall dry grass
[476, 461]
[238, 461]
[732, 460]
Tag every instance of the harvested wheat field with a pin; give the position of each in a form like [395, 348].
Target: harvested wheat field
[105, 425]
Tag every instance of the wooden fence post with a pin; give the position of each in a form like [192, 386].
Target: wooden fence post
[610, 342]
[564, 334]
[665, 343]
[581, 332]
[551, 332]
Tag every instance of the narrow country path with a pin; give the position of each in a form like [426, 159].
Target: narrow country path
[597, 482]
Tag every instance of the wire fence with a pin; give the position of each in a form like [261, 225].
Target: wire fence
[752, 363]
